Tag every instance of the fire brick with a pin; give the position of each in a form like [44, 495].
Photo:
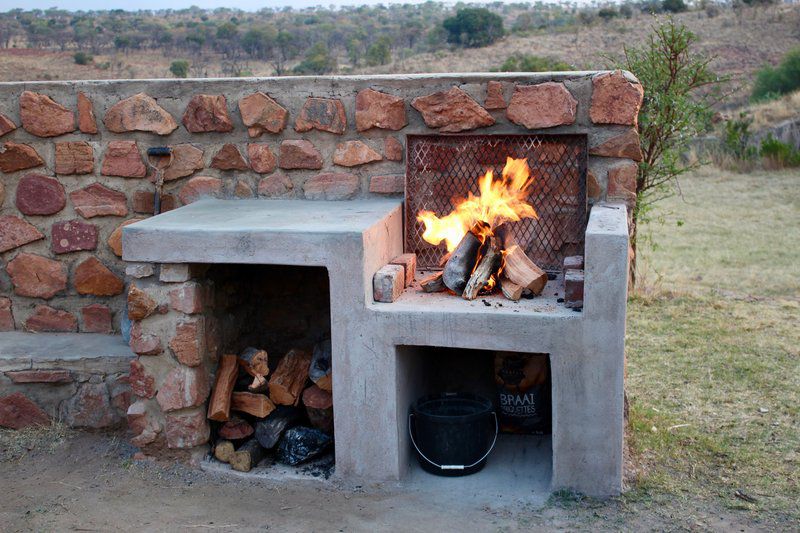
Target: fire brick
[409, 264]
[573, 288]
[387, 285]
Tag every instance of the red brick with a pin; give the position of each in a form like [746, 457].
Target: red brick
[387, 284]
[74, 158]
[573, 289]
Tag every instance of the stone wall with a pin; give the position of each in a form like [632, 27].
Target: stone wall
[74, 170]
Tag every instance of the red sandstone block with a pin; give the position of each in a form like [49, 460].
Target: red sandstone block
[188, 298]
[96, 318]
[387, 284]
[187, 430]
[40, 376]
[17, 411]
[188, 344]
[573, 289]
[6, 314]
[391, 184]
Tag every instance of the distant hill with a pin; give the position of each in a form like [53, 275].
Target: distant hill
[37, 45]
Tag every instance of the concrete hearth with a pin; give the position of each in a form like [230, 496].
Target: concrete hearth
[372, 384]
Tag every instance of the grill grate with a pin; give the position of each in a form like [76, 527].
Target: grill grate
[440, 168]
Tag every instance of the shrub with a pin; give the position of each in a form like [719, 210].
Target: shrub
[674, 6]
[677, 107]
[778, 154]
[737, 139]
[318, 60]
[380, 52]
[179, 68]
[530, 63]
[474, 27]
[607, 13]
[775, 81]
[82, 58]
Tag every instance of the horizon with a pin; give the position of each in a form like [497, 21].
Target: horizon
[250, 6]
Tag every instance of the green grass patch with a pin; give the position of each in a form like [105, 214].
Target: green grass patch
[714, 347]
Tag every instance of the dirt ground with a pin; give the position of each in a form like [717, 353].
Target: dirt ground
[89, 482]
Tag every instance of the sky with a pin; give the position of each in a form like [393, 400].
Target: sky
[133, 5]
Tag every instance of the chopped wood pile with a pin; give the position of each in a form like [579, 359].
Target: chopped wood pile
[485, 260]
[284, 409]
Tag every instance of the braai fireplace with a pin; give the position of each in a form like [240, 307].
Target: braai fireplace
[392, 338]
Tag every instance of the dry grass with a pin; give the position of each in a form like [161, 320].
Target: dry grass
[773, 112]
[714, 363]
[15, 445]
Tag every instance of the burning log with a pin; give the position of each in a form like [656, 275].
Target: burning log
[433, 283]
[224, 450]
[521, 270]
[257, 405]
[320, 369]
[248, 456]
[219, 407]
[269, 430]
[319, 406]
[487, 266]
[290, 378]
[511, 290]
[462, 262]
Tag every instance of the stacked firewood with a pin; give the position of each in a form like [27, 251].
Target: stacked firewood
[286, 412]
[483, 260]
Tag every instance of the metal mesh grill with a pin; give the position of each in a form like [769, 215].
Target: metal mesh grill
[441, 168]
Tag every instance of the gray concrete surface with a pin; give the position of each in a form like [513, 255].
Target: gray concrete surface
[372, 386]
[68, 351]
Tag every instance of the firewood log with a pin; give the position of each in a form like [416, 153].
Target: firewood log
[320, 369]
[219, 407]
[259, 384]
[257, 405]
[462, 262]
[521, 270]
[290, 377]
[433, 283]
[269, 430]
[511, 290]
[486, 267]
[223, 451]
[248, 456]
[235, 429]
[319, 406]
[254, 361]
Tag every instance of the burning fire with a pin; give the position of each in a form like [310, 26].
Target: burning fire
[501, 200]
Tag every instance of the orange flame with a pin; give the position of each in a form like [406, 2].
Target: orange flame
[501, 200]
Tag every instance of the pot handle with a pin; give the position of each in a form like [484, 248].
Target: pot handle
[454, 467]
